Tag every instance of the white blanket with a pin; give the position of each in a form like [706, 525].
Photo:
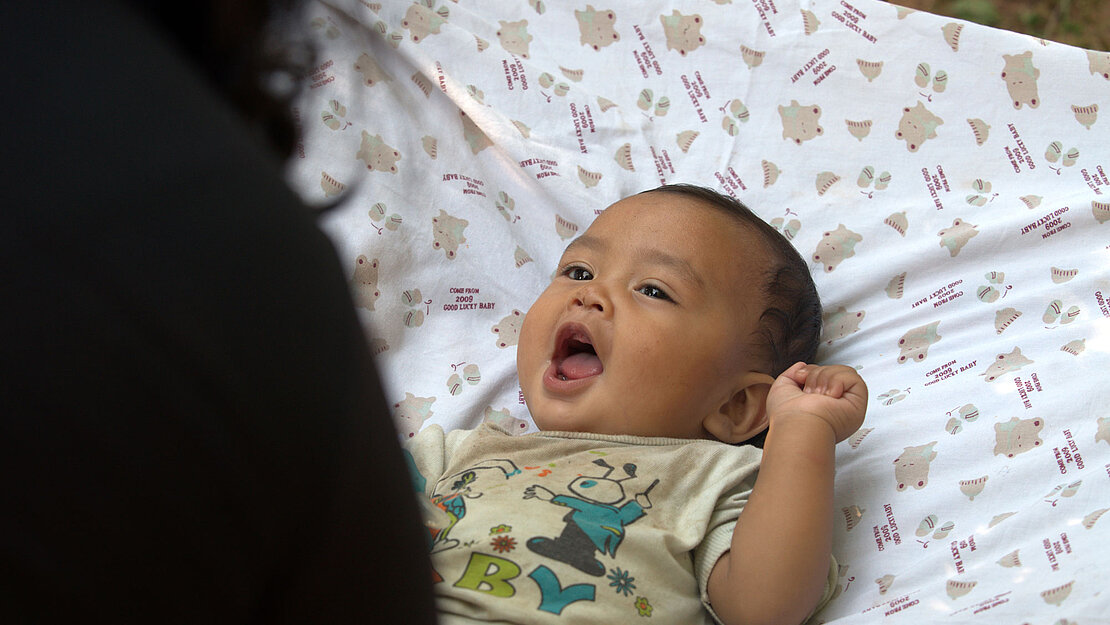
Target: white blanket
[948, 182]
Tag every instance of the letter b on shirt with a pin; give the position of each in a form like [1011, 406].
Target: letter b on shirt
[489, 574]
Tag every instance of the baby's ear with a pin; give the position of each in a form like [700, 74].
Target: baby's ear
[745, 413]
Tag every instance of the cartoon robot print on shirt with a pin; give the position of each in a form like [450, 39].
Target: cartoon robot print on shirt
[454, 503]
[596, 521]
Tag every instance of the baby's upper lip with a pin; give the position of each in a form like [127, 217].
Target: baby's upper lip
[572, 338]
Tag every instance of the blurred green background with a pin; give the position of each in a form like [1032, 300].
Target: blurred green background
[1083, 23]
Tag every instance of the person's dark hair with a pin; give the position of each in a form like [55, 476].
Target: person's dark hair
[241, 47]
[790, 324]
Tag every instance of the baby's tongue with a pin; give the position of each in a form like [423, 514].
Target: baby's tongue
[580, 365]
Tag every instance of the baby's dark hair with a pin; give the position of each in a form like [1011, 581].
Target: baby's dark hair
[790, 324]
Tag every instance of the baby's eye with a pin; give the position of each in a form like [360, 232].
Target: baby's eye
[575, 272]
[654, 292]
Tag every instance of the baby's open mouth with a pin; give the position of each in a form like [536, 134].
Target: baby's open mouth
[575, 357]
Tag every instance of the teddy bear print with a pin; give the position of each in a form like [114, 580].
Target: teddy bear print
[420, 20]
[596, 27]
[915, 343]
[514, 37]
[835, 246]
[957, 236]
[912, 467]
[410, 413]
[1017, 436]
[840, 323]
[800, 123]
[447, 233]
[364, 284]
[1099, 63]
[1005, 363]
[372, 73]
[683, 32]
[1021, 79]
[917, 125]
[508, 329]
[1103, 432]
[377, 154]
[504, 420]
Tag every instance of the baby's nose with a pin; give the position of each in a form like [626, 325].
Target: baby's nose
[591, 297]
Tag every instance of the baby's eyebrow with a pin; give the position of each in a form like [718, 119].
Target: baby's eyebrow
[676, 264]
[648, 256]
[589, 242]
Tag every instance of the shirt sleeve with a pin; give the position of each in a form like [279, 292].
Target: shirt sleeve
[722, 537]
[830, 585]
[718, 541]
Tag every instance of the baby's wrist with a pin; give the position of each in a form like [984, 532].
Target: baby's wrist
[803, 424]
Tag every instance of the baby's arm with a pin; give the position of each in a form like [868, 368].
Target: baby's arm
[776, 569]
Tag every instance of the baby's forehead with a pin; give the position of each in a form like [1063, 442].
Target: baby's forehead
[726, 253]
[680, 212]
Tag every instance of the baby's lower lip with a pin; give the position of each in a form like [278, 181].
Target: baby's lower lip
[561, 385]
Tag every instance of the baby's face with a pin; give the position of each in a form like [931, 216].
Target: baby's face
[644, 329]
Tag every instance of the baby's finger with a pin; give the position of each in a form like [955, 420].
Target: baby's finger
[797, 373]
[815, 376]
[825, 381]
[850, 382]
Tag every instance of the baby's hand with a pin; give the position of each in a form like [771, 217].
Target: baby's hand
[835, 394]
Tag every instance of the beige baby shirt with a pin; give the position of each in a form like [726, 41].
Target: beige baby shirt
[566, 527]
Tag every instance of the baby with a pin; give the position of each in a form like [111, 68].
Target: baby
[677, 327]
